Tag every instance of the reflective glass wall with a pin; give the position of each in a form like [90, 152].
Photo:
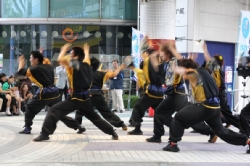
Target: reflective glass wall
[74, 8]
[106, 9]
[106, 42]
[24, 8]
[119, 9]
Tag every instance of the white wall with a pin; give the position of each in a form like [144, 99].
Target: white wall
[214, 20]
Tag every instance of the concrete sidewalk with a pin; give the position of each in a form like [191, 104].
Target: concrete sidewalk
[94, 148]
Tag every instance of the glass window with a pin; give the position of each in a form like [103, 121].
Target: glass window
[106, 42]
[24, 8]
[74, 8]
[119, 9]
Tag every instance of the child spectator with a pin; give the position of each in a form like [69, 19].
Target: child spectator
[5, 95]
[12, 98]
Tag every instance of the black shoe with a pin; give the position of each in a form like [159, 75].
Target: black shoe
[41, 138]
[213, 138]
[171, 147]
[248, 149]
[114, 111]
[131, 125]
[114, 136]
[26, 130]
[135, 132]
[81, 129]
[121, 111]
[154, 139]
[193, 131]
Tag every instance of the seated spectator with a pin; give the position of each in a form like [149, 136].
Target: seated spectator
[21, 80]
[17, 100]
[12, 98]
[25, 95]
[5, 95]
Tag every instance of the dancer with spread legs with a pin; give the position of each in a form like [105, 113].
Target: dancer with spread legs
[80, 79]
[47, 94]
[207, 108]
[176, 97]
[96, 95]
[214, 66]
[151, 80]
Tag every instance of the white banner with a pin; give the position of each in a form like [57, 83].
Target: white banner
[244, 37]
[137, 36]
[243, 47]
[181, 12]
[181, 27]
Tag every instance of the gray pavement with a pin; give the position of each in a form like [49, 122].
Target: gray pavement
[94, 148]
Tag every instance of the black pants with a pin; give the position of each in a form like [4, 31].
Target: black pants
[60, 110]
[101, 105]
[164, 112]
[203, 128]
[63, 92]
[245, 120]
[141, 106]
[34, 89]
[34, 106]
[195, 113]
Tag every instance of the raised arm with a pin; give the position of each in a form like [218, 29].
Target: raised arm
[64, 49]
[206, 53]
[21, 62]
[172, 48]
[86, 52]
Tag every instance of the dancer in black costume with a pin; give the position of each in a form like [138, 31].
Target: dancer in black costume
[80, 79]
[47, 94]
[205, 92]
[96, 95]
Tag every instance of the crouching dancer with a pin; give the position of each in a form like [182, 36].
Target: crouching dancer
[207, 108]
[80, 79]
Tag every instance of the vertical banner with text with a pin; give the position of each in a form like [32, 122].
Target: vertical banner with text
[243, 46]
[137, 36]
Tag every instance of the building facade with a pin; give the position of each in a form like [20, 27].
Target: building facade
[28, 25]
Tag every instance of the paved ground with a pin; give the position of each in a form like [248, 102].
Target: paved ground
[95, 148]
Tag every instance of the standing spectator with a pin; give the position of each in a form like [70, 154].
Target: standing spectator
[25, 95]
[61, 83]
[116, 86]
